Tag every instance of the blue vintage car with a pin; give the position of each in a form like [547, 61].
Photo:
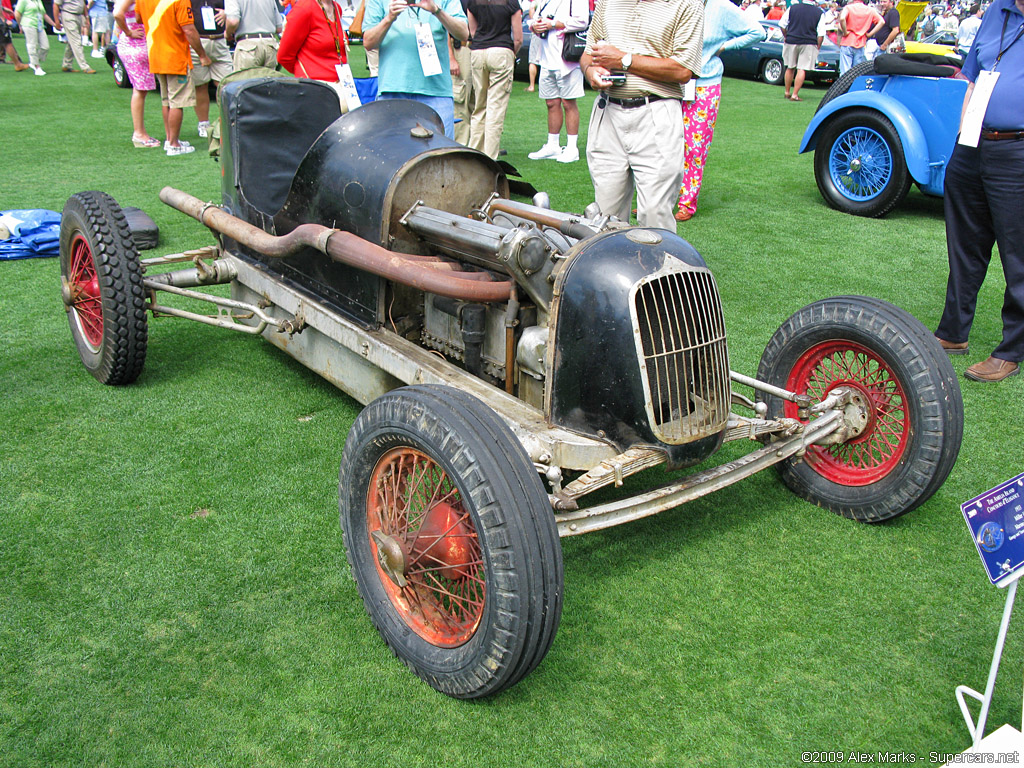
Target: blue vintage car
[881, 127]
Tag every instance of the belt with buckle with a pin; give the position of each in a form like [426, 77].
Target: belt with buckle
[212, 37]
[639, 101]
[1002, 135]
[255, 36]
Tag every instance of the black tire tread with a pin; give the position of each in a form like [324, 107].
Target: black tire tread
[842, 85]
[899, 184]
[472, 432]
[125, 331]
[930, 385]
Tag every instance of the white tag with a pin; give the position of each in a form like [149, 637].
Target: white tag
[208, 21]
[970, 129]
[690, 90]
[347, 86]
[429, 62]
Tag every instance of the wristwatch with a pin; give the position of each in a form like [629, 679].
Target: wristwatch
[626, 61]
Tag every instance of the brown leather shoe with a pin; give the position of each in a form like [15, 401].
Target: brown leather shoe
[683, 215]
[993, 369]
[89, 71]
[953, 347]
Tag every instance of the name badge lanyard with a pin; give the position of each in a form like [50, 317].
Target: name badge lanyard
[336, 31]
[1006, 21]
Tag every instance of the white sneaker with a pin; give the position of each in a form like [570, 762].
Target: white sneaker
[569, 154]
[181, 149]
[39, 71]
[181, 142]
[547, 152]
[97, 53]
[204, 129]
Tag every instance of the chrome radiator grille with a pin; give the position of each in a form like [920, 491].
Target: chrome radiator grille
[680, 337]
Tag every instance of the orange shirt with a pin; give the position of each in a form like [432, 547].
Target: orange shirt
[168, 48]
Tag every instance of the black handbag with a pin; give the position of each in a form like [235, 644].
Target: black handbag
[573, 45]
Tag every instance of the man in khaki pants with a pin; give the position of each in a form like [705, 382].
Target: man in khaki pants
[70, 14]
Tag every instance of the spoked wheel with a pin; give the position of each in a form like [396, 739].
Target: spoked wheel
[101, 285]
[451, 539]
[859, 164]
[773, 71]
[915, 412]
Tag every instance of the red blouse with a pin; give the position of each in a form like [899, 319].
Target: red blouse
[311, 46]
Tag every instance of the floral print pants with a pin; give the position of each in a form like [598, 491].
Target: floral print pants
[699, 118]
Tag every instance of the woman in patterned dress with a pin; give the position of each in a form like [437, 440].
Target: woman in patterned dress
[131, 47]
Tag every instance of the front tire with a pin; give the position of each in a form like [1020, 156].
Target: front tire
[859, 164]
[773, 71]
[915, 424]
[101, 285]
[120, 73]
[451, 539]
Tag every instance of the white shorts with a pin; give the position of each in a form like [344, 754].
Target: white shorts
[555, 85]
[803, 57]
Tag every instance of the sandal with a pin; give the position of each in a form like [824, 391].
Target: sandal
[145, 143]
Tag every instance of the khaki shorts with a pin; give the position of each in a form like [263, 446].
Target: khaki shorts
[220, 62]
[176, 91]
[554, 85]
[803, 57]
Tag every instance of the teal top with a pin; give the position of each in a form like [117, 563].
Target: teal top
[400, 70]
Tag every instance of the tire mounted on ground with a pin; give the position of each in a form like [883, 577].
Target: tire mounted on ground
[915, 419]
[859, 164]
[451, 539]
[101, 285]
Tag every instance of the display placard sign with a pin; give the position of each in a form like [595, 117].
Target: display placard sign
[996, 522]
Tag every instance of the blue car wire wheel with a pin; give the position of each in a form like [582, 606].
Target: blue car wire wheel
[859, 164]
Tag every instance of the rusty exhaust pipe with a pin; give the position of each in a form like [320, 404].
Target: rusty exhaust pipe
[343, 247]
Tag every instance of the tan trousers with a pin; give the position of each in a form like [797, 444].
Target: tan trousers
[73, 29]
[462, 93]
[492, 87]
[37, 45]
[637, 149]
[255, 52]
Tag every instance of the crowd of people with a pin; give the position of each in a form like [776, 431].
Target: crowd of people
[655, 68]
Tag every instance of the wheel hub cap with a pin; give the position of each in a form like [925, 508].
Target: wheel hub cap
[391, 558]
[854, 165]
[444, 538]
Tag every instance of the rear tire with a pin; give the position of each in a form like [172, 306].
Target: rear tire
[101, 285]
[451, 539]
[842, 85]
[121, 78]
[773, 71]
[916, 421]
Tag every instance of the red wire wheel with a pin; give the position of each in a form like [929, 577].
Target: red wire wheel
[426, 547]
[84, 285]
[879, 448]
[915, 415]
[451, 539]
[102, 289]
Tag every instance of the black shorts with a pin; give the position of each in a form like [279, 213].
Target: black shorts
[5, 32]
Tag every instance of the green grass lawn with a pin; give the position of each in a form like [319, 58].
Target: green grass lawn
[174, 587]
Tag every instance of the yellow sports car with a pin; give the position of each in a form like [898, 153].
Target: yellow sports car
[942, 43]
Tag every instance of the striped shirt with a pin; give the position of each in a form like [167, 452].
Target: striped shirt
[668, 29]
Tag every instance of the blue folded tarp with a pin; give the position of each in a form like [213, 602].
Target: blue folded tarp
[27, 234]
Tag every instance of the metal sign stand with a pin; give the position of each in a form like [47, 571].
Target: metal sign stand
[977, 730]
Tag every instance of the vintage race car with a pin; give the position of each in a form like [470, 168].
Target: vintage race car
[884, 125]
[513, 360]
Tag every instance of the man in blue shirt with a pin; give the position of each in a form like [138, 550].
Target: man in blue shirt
[984, 196]
[390, 26]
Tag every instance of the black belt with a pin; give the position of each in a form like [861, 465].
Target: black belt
[212, 37]
[639, 101]
[255, 36]
[1002, 135]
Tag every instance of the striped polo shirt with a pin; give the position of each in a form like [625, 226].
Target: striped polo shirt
[668, 29]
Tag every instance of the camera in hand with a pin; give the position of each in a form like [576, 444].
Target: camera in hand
[543, 35]
[616, 78]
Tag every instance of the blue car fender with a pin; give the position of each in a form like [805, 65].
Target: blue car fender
[915, 146]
